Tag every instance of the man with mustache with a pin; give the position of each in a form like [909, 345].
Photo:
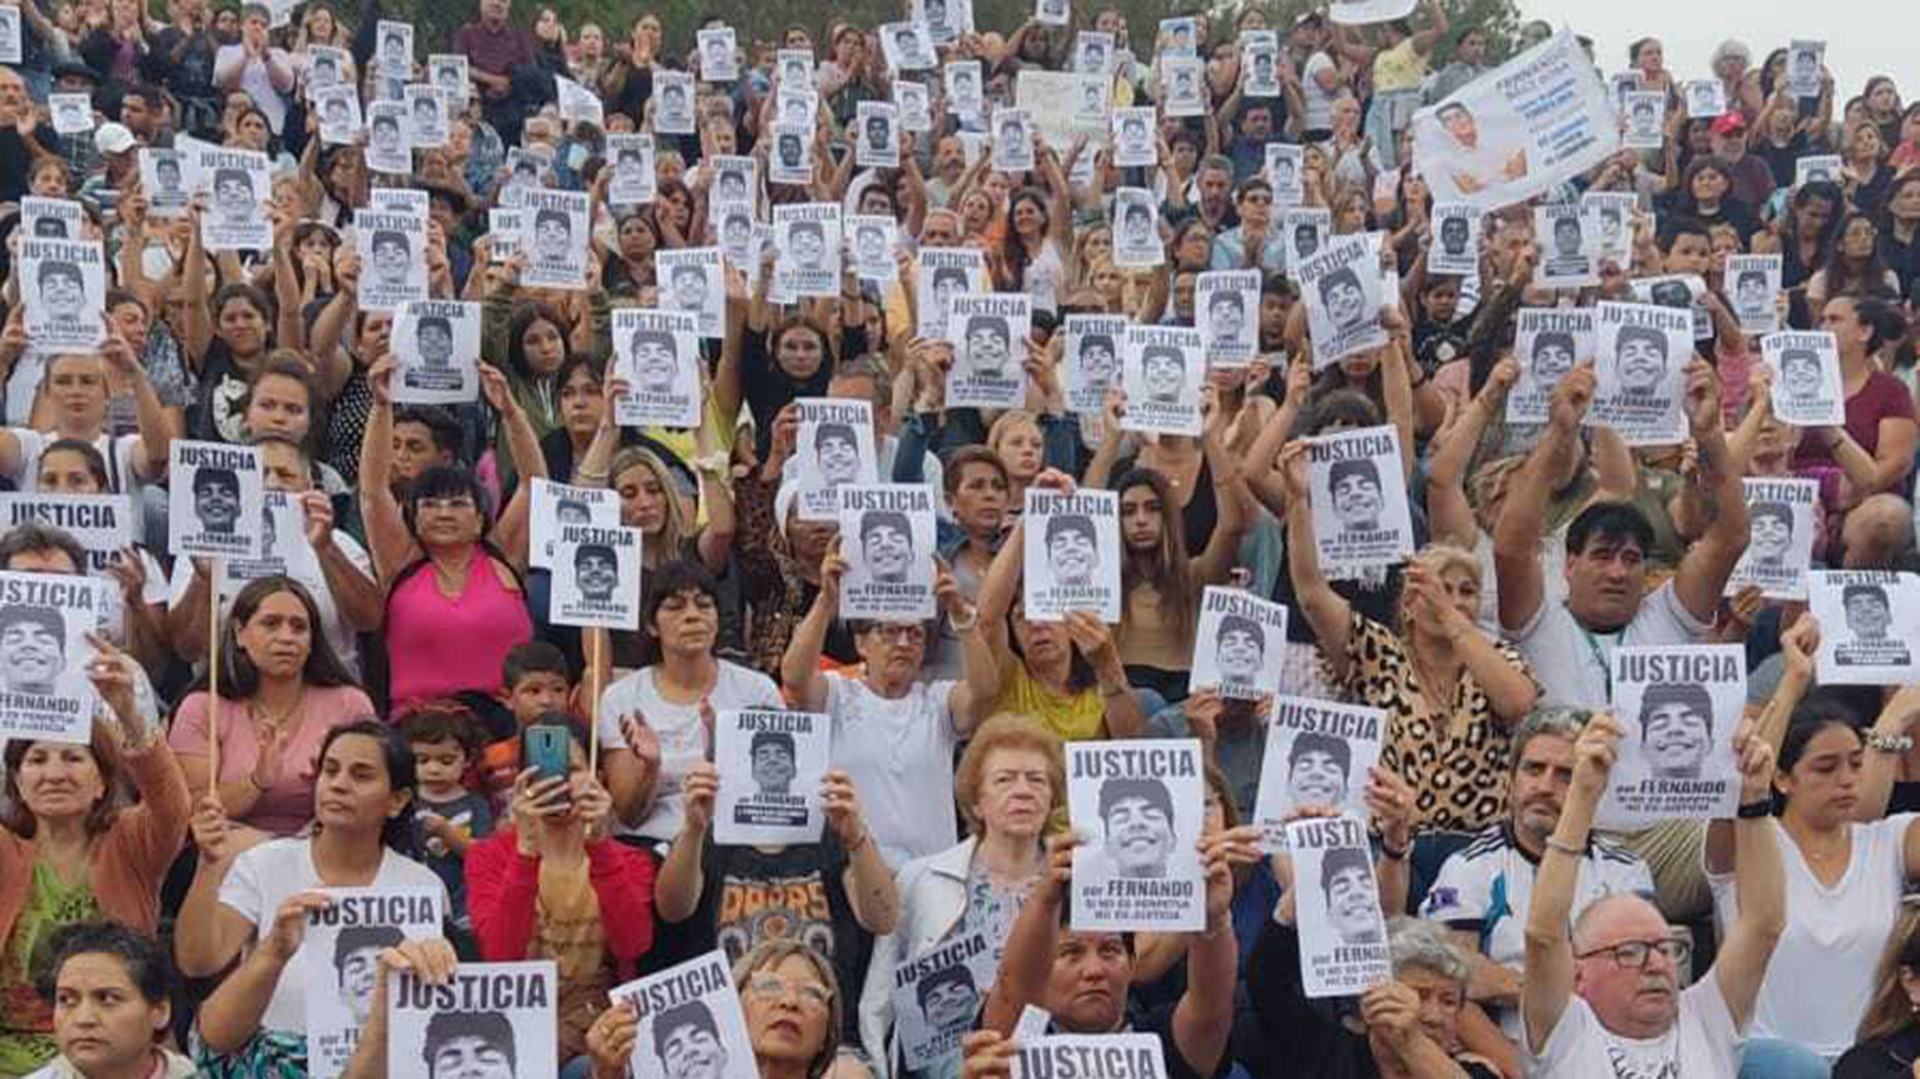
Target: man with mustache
[1484, 890]
[1676, 730]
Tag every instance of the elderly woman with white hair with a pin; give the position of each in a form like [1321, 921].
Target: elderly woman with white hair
[1452, 693]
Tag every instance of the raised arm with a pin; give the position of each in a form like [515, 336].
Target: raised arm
[1709, 562]
[1229, 495]
[800, 677]
[1548, 978]
[197, 329]
[1449, 514]
[388, 540]
[1330, 616]
[1760, 885]
[676, 891]
[510, 531]
[1523, 520]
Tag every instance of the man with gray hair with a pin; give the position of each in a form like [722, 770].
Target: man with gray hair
[1483, 889]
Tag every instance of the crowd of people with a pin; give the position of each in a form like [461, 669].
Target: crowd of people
[359, 719]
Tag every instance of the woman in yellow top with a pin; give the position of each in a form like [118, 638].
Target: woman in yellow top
[1398, 67]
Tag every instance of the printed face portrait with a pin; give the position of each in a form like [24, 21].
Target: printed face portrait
[689, 287]
[809, 243]
[233, 193]
[1676, 724]
[1226, 311]
[886, 539]
[1800, 371]
[1805, 63]
[1239, 650]
[356, 956]
[63, 290]
[1345, 300]
[1750, 292]
[1610, 227]
[1819, 174]
[1097, 361]
[1183, 83]
[471, 1057]
[1139, 831]
[737, 232]
[1072, 552]
[1138, 225]
[1011, 134]
[790, 150]
[386, 135]
[1164, 370]
[1351, 901]
[733, 185]
[336, 111]
[877, 133]
[216, 499]
[1357, 500]
[966, 84]
[1133, 130]
[1869, 614]
[1670, 294]
[435, 339]
[989, 348]
[33, 647]
[838, 454]
[1453, 235]
[1566, 237]
[391, 258]
[1770, 531]
[1459, 124]
[166, 171]
[773, 764]
[426, 113]
[597, 571]
[1642, 358]
[1306, 240]
[1282, 172]
[691, 1050]
[1093, 56]
[949, 1000]
[570, 512]
[1552, 357]
[553, 236]
[1090, 100]
[1317, 771]
[325, 70]
[1644, 118]
[870, 245]
[655, 366]
[673, 99]
[448, 77]
[1263, 66]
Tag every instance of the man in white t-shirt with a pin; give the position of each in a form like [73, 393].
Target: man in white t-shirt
[1605, 1001]
[657, 723]
[1484, 890]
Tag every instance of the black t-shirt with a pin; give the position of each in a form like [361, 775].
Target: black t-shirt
[767, 388]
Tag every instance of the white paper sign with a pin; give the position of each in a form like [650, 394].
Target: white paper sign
[163, 179]
[1134, 138]
[691, 281]
[1359, 499]
[673, 103]
[946, 272]
[1284, 163]
[1753, 291]
[596, 577]
[1183, 87]
[887, 536]
[1163, 368]
[690, 1020]
[1361, 12]
[393, 259]
[1342, 289]
[1547, 342]
[1238, 644]
[908, 46]
[792, 159]
[965, 96]
[1092, 52]
[808, 236]
[1678, 706]
[9, 35]
[437, 343]
[338, 107]
[236, 217]
[1807, 390]
[1869, 621]
[658, 353]
[1305, 230]
[1646, 120]
[1569, 252]
[1318, 754]
[1780, 532]
[989, 334]
[1343, 938]
[937, 996]
[389, 137]
[835, 448]
[214, 497]
[502, 1013]
[64, 285]
[44, 652]
[877, 142]
[1640, 373]
[448, 72]
[771, 764]
[1093, 1056]
[1227, 302]
[870, 244]
[1456, 239]
[1090, 361]
[916, 106]
[1806, 68]
[1142, 803]
[556, 504]
[1136, 235]
[1817, 169]
[719, 55]
[427, 114]
[633, 169]
[1611, 214]
[1706, 98]
[1013, 132]
[339, 958]
[555, 230]
[102, 524]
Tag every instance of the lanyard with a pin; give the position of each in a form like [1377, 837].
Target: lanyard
[1599, 656]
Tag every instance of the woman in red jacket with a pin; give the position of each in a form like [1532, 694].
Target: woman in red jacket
[553, 885]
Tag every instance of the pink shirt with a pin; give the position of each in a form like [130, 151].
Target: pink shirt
[286, 807]
[438, 646]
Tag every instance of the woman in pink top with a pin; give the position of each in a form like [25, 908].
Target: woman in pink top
[455, 601]
[281, 690]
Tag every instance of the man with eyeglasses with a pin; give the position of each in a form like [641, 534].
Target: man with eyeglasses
[1605, 1000]
[1484, 891]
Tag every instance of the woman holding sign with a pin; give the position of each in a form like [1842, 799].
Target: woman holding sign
[455, 600]
[1451, 692]
[1875, 448]
[75, 390]
[254, 906]
[71, 851]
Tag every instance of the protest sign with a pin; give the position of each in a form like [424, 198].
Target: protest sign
[1806, 69]
[393, 259]
[577, 103]
[9, 35]
[1818, 169]
[64, 286]
[1064, 106]
[1141, 805]
[555, 229]
[284, 550]
[1456, 232]
[1183, 86]
[1536, 121]
[394, 51]
[1262, 60]
[1227, 303]
[673, 102]
[329, 66]
[503, 1013]
[658, 353]
[872, 247]
[1162, 370]
[163, 179]
[989, 335]
[916, 106]
[691, 281]
[1134, 135]
[1341, 286]
[1318, 754]
[1753, 291]
[1343, 938]
[1781, 523]
[1072, 554]
[103, 525]
[964, 88]
[1678, 706]
[504, 229]
[876, 139]
[1013, 131]
[214, 497]
[834, 448]
[735, 178]
[1284, 164]
[771, 764]
[1569, 251]
[339, 960]
[1611, 214]
[792, 158]
[1869, 622]
[556, 504]
[427, 115]
[1087, 1056]
[1706, 98]
[1090, 360]
[44, 652]
[1136, 233]
[1358, 491]
[1807, 389]
[236, 215]
[741, 239]
[1180, 37]
[389, 147]
[633, 170]
[946, 272]
[1233, 641]
[690, 1023]
[448, 71]
[1092, 52]
[338, 107]
[1640, 372]
[1361, 12]
[937, 996]
[1547, 342]
[719, 54]
[794, 69]
[907, 46]
[1646, 120]
[887, 536]
[1305, 230]
[946, 20]
[437, 345]
[596, 577]
[808, 236]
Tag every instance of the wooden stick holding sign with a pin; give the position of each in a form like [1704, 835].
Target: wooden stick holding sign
[213, 676]
[596, 650]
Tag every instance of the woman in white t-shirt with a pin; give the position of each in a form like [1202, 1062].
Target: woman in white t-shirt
[255, 906]
[74, 392]
[1844, 882]
[892, 733]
